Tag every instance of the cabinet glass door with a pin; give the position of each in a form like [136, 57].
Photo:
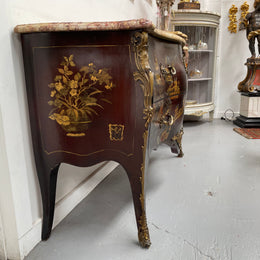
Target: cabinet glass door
[201, 45]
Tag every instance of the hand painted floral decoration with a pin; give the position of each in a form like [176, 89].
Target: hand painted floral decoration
[76, 95]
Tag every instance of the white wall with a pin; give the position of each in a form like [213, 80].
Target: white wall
[2, 241]
[11, 152]
[56, 11]
[22, 217]
[8, 227]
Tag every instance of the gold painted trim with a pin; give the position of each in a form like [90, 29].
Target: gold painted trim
[79, 46]
[78, 154]
[89, 154]
[76, 135]
[178, 113]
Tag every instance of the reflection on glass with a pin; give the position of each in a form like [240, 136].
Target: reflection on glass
[201, 46]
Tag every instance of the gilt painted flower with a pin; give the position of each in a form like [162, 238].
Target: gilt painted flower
[73, 92]
[58, 86]
[73, 84]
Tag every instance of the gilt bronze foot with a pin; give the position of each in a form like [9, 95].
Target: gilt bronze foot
[178, 140]
[143, 234]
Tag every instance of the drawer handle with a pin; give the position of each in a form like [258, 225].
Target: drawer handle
[167, 119]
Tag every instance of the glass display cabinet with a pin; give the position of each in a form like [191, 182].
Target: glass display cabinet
[202, 31]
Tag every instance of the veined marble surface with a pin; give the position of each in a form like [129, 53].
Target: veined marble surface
[101, 26]
[84, 26]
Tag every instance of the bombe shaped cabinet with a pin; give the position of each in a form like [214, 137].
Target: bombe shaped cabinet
[102, 91]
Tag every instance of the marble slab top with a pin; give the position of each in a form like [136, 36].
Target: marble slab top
[84, 26]
[100, 26]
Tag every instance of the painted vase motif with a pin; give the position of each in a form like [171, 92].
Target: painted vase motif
[76, 95]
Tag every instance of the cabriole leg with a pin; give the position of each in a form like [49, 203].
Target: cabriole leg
[178, 140]
[136, 178]
[139, 205]
[48, 181]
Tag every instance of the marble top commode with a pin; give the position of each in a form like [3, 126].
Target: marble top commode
[102, 91]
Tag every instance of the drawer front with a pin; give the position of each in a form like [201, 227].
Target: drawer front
[167, 120]
[169, 90]
[166, 62]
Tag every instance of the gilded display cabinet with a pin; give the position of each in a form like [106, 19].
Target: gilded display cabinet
[98, 92]
[202, 31]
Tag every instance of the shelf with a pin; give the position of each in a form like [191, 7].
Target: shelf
[200, 79]
[199, 51]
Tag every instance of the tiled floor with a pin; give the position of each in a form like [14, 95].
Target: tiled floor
[203, 206]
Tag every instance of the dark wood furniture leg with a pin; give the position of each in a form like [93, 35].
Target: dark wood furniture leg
[136, 176]
[48, 181]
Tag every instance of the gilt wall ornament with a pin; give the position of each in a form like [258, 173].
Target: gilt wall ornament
[244, 11]
[77, 94]
[242, 20]
[233, 19]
